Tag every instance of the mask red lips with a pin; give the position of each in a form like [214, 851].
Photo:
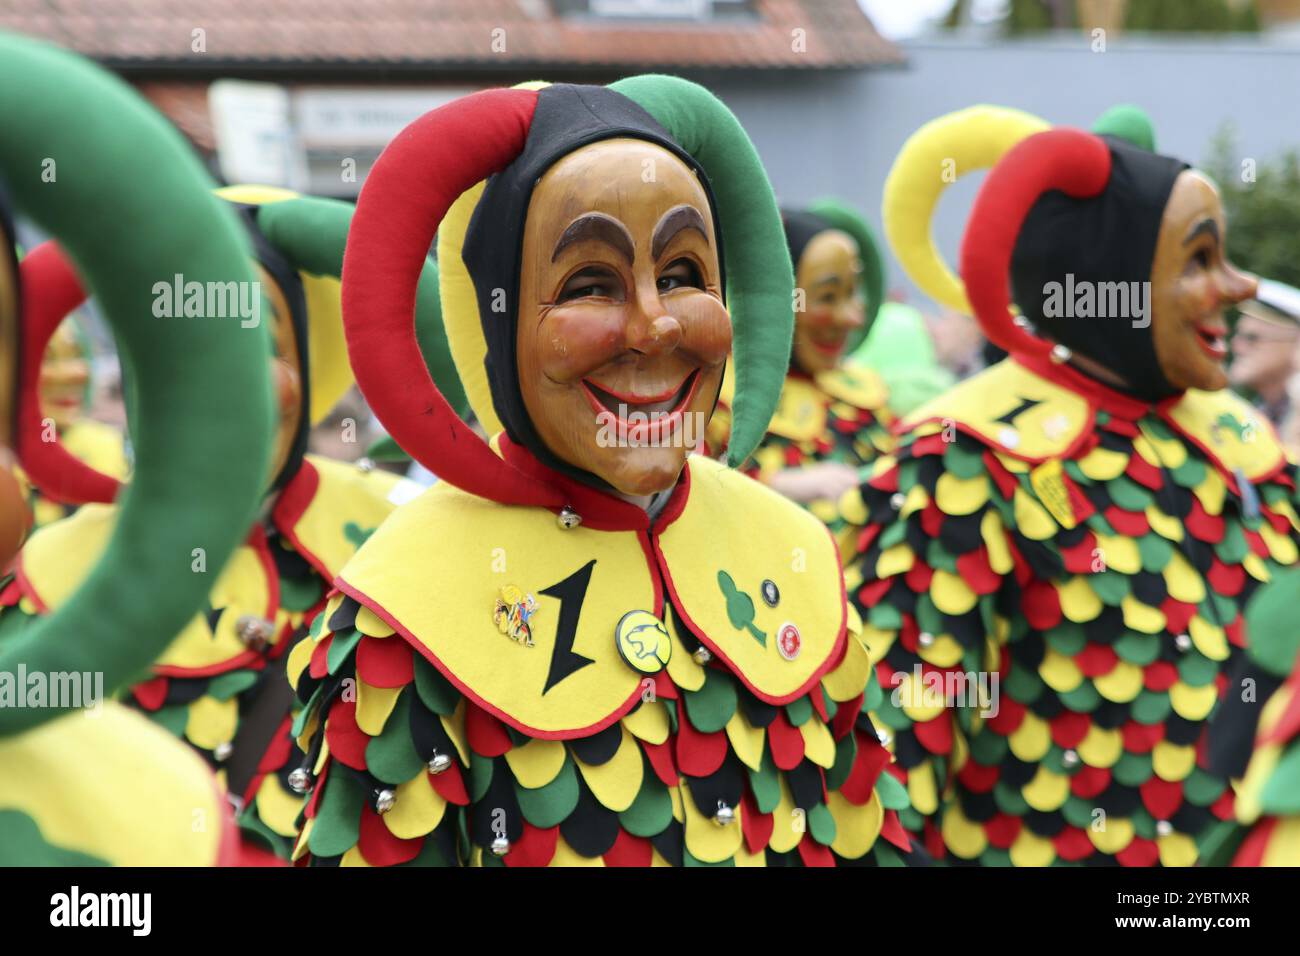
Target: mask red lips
[643, 419]
[1212, 338]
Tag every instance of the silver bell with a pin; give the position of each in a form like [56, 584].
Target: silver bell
[223, 750]
[384, 801]
[568, 518]
[438, 763]
[365, 465]
[300, 780]
[883, 736]
[255, 632]
[725, 815]
[1070, 758]
[500, 846]
[702, 656]
[926, 639]
[1183, 642]
[1164, 828]
[1061, 353]
[897, 500]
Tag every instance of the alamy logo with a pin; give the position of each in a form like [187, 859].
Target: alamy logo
[1098, 300]
[103, 909]
[932, 688]
[640, 429]
[60, 689]
[208, 300]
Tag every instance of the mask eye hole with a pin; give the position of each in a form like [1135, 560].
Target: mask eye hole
[592, 282]
[680, 274]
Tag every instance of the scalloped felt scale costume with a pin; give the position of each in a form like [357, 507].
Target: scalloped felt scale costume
[830, 410]
[1089, 547]
[117, 789]
[549, 670]
[227, 662]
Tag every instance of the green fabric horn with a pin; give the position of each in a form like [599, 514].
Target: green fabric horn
[847, 219]
[760, 277]
[313, 233]
[129, 202]
[1130, 123]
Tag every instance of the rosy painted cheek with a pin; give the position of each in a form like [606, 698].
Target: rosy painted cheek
[818, 319]
[572, 343]
[706, 327]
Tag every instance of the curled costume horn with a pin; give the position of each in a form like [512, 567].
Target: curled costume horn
[847, 219]
[932, 159]
[947, 148]
[203, 429]
[450, 150]
[51, 290]
[311, 234]
[1069, 160]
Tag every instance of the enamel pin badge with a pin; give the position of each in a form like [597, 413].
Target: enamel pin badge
[514, 613]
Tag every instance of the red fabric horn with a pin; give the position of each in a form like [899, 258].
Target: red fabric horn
[50, 289]
[413, 183]
[1076, 163]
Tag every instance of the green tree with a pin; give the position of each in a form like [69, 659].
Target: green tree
[1189, 16]
[1262, 203]
[1171, 16]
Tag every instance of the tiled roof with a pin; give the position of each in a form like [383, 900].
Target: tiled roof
[468, 34]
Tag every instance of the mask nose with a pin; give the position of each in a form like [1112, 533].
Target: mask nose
[850, 316]
[650, 329]
[1236, 286]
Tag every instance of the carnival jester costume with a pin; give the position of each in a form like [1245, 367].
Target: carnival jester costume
[572, 651]
[220, 685]
[66, 388]
[1256, 736]
[109, 786]
[833, 415]
[1081, 523]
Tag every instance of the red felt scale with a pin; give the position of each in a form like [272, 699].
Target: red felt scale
[385, 662]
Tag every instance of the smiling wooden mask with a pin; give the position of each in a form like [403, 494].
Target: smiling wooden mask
[622, 333]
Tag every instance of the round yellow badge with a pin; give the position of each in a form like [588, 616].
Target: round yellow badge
[642, 641]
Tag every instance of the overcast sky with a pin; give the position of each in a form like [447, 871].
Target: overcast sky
[900, 19]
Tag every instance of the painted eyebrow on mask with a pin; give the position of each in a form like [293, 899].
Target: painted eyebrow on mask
[598, 227]
[1202, 227]
[673, 222]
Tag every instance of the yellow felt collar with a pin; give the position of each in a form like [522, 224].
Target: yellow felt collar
[802, 411]
[1019, 412]
[331, 507]
[437, 568]
[326, 512]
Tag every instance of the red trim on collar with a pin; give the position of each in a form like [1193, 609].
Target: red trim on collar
[599, 510]
[250, 658]
[1165, 410]
[832, 659]
[1100, 396]
[294, 499]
